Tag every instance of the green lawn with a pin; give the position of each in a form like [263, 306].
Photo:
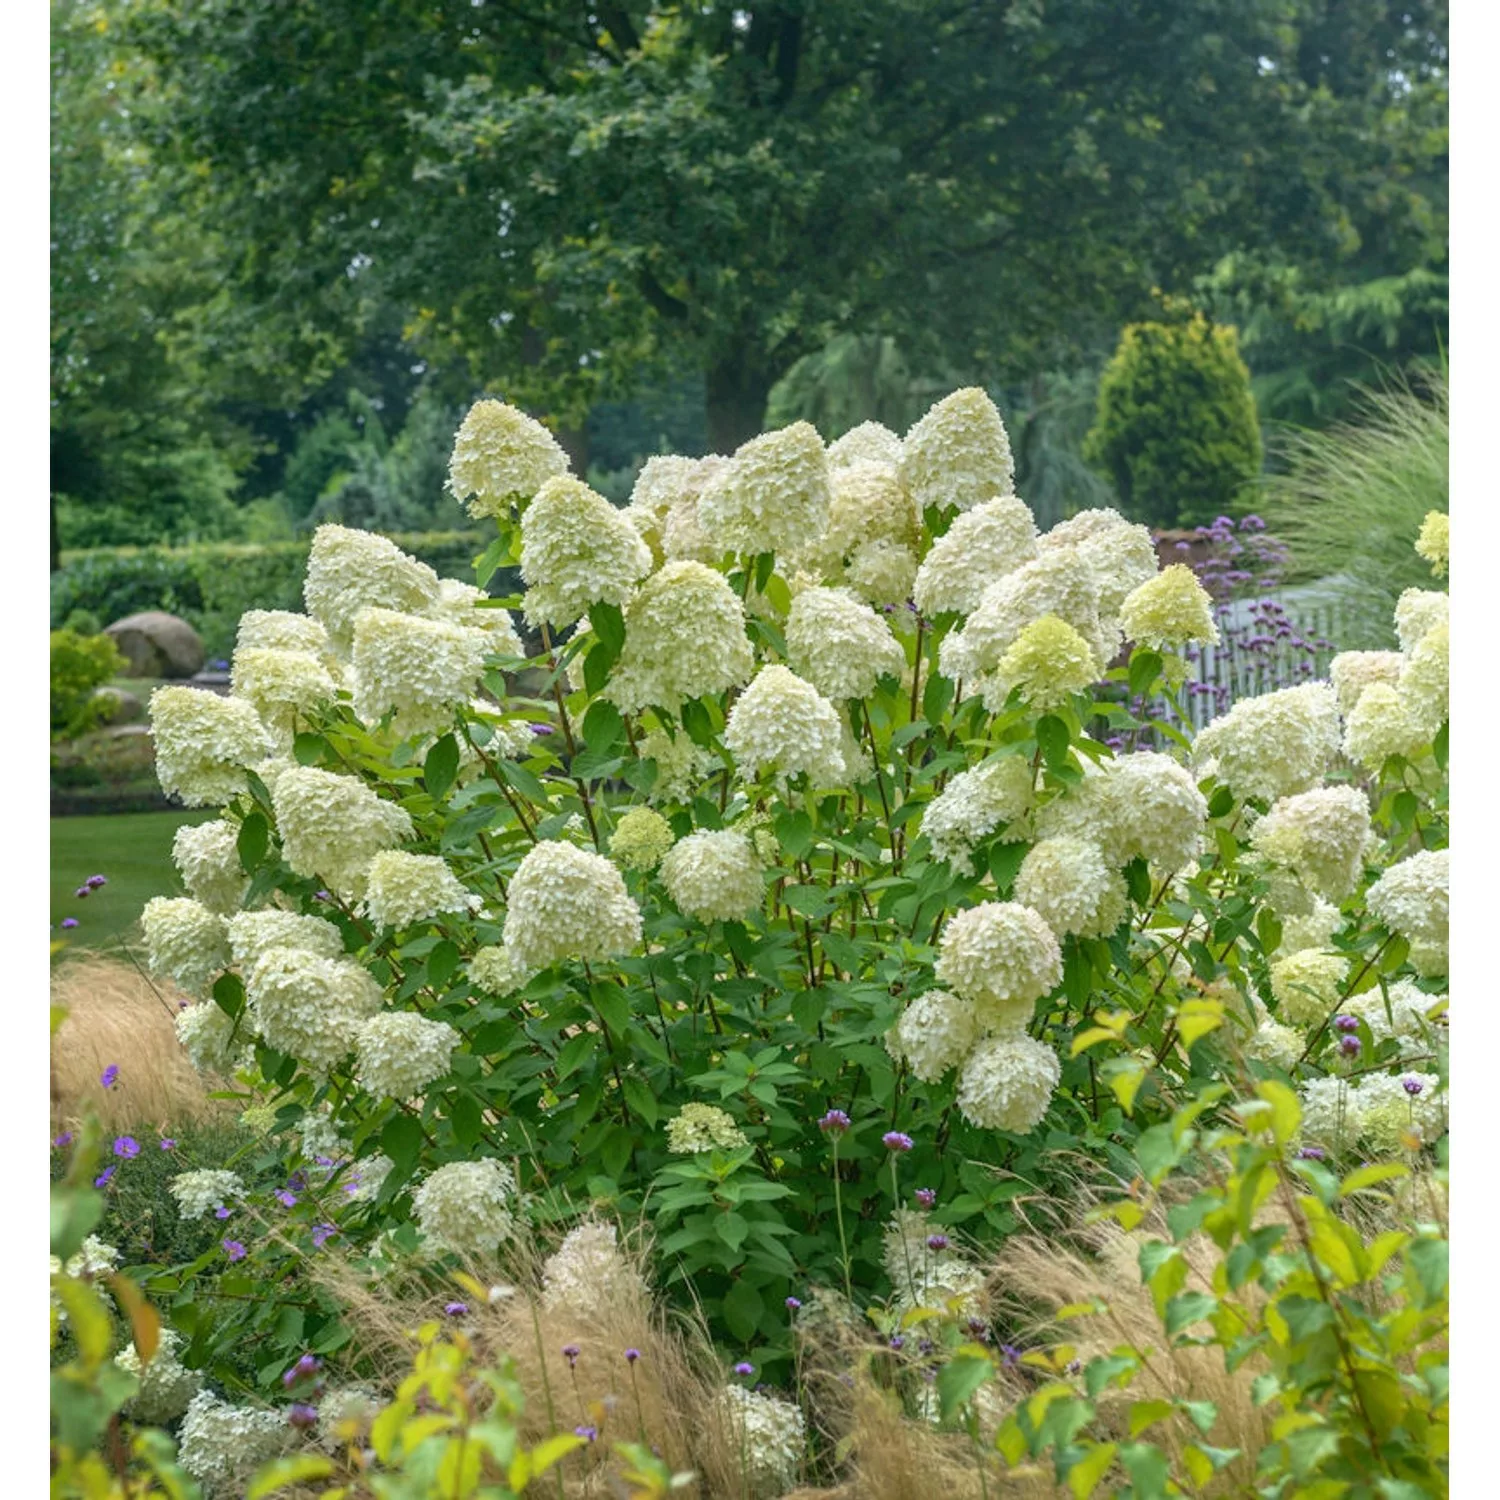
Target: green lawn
[132, 850]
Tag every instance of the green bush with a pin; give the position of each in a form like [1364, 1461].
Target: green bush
[212, 585]
[80, 663]
[1176, 428]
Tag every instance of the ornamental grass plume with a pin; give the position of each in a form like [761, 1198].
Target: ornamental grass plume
[714, 876]
[208, 859]
[205, 744]
[501, 456]
[773, 496]
[117, 1016]
[349, 570]
[958, 455]
[577, 550]
[782, 723]
[840, 645]
[566, 902]
[332, 826]
[981, 545]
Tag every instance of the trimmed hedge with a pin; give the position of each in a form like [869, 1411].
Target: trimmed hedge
[213, 583]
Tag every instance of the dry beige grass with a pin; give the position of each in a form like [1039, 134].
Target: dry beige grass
[115, 1014]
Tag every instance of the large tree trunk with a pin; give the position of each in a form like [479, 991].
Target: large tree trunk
[737, 392]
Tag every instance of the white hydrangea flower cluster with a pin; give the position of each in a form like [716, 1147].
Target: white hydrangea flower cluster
[682, 535]
[1351, 672]
[944, 1281]
[641, 838]
[284, 630]
[1432, 541]
[1276, 745]
[366, 1177]
[399, 1054]
[1401, 1011]
[658, 487]
[1307, 985]
[1066, 881]
[1276, 1043]
[222, 1445]
[934, 1034]
[332, 826]
[463, 605]
[1313, 929]
[714, 876]
[1411, 898]
[684, 638]
[1383, 724]
[839, 645]
[198, 1193]
[1376, 1109]
[680, 764]
[994, 794]
[566, 902]
[982, 545]
[773, 496]
[338, 1408]
[1170, 610]
[251, 933]
[703, 1127]
[166, 1385]
[402, 889]
[958, 454]
[205, 744]
[588, 1274]
[495, 968]
[1417, 612]
[1320, 835]
[1048, 661]
[1007, 1083]
[500, 455]
[577, 550]
[350, 570]
[1002, 957]
[283, 686]
[207, 1034]
[207, 857]
[416, 669]
[770, 1434]
[1121, 554]
[185, 942]
[870, 442]
[310, 1007]
[783, 723]
[468, 1207]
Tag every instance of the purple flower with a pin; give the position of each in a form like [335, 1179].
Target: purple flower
[301, 1415]
[1073, 1366]
[586, 1432]
[65, 1139]
[308, 1364]
[456, 1309]
[631, 1355]
[540, 728]
[286, 1198]
[321, 896]
[126, 1146]
[95, 881]
[897, 1341]
[937, 1241]
[1311, 1153]
[1413, 1086]
[897, 1140]
[926, 1197]
[221, 665]
[977, 1328]
[744, 1368]
[233, 1249]
[1010, 1355]
[321, 1234]
[167, 1143]
[69, 923]
[83, 891]
[1350, 1046]
[104, 1176]
[793, 1303]
[571, 1353]
[221, 1212]
[1346, 1023]
[109, 1076]
[835, 1122]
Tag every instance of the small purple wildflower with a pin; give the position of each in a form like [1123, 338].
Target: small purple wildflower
[321, 1234]
[221, 1212]
[167, 1143]
[1346, 1023]
[937, 1241]
[925, 1346]
[301, 1415]
[793, 1303]
[926, 1197]
[1073, 1367]
[571, 1353]
[65, 1139]
[233, 1249]
[590, 1433]
[835, 1122]
[456, 1309]
[83, 891]
[126, 1146]
[897, 1341]
[1413, 1086]
[1311, 1153]
[110, 1075]
[104, 1176]
[1350, 1046]
[540, 728]
[1010, 1355]
[631, 1355]
[95, 881]
[744, 1368]
[897, 1140]
[69, 923]
[286, 1198]
[321, 896]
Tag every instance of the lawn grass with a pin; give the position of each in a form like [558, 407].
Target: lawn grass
[132, 850]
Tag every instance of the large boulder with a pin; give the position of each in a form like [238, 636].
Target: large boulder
[157, 644]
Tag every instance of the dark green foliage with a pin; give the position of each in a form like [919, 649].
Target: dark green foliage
[1176, 428]
[212, 585]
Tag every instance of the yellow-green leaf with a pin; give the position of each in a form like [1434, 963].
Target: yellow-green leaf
[1367, 1177]
[1198, 1464]
[145, 1321]
[1196, 1018]
[553, 1450]
[1092, 1037]
[1286, 1112]
[86, 1314]
[281, 1472]
[1144, 1414]
[1084, 1476]
[1126, 1084]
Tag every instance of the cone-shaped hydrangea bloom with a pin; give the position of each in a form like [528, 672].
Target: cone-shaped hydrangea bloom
[207, 856]
[418, 669]
[1423, 687]
[1307, 985]
[1121, 553]
[185, 941]
[1049, 661]
[881, 572]
[1002, 957]
[684, 638]
[682, 535]
[222, 1446]
[1432, 541]
[1417, 612]
[958, 454]
[577, 550]
[332, 826]
[204, 744]
[982, 545]
[566, 902]
[1275, 1043]
[1067, 882]
[1155, 810]
[459, 604]
[402, 888]
[1084, 811]
[282, 685]
[198, 1193]
[166, 1385]
[1169, 610]
[1351, 672]
[587, 1275]
[500, 455]
[714, 876]
[1385, 1113]
[976, 803]
[772, 497]
[282, 630]
[468, 1207]
[1314, 929]
[839, 645]
[867, 502]
[398, 1054]
[703, 1127]
[1007, 1083]
[208, 1036]
[1382, 724]
[495, 969]
[1406, 1016]
[1412, 898]
[658, 487]
[934, 1033]
[1275, 745]
[782, 723]
[1320, 835]
[310, 1007]
[870, 442]
[252, 932]
[640, 839]
[680, 764]
[348, 571]
[768, 1438]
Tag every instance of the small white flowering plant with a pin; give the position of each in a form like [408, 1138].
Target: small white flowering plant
[772, 866]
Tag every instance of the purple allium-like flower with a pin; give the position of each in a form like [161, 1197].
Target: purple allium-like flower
[631, 1355]
[126, 1146]
[65, 1139]
[925, 1346]
[233, 1249]
[308, 1364]
[793, 1303]
[104, 1176]
[1010, 1355]
[95, 881]
[897, 1341]
[456, 1309]
[321, 1234]
[937, 1241]
[1073, 1366]
[69, 923]
[83, 891]
[897, 1140]
[1413, 1086]
[926, 1197]
[744, 1367]
[1350, 1046]
[1346, 1023]
[321, 896]
[1311, 1153]
[167, 1143]
[835, 1122]
[586, 1432]
[540, 728]
[571, 1353]
[301, 1415]
[110, 1075]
